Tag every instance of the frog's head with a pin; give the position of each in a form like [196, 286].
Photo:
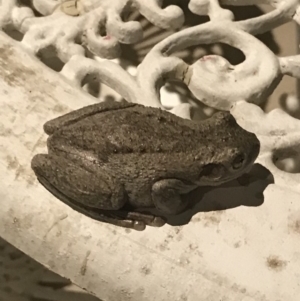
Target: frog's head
[231, 150]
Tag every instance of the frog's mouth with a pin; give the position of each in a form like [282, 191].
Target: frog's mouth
[212, 174]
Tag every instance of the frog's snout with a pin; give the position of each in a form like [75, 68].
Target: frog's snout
[255, 148]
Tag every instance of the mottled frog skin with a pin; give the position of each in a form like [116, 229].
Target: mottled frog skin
[106, 156]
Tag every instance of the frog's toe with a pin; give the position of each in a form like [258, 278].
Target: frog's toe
[38, 162]
[147, 219]
[139, 226]
[157, 222]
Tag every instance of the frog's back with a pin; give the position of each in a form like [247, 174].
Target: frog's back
[148, 130]
[131, 130]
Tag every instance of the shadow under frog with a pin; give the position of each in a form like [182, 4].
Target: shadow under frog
[111, 160]
[244, 191]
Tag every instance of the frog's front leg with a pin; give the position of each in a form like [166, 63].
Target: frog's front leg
[166, 195]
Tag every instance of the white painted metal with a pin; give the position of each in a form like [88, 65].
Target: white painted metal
[250, 251]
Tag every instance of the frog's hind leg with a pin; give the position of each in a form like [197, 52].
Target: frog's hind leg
[97, 214]
[97, 196]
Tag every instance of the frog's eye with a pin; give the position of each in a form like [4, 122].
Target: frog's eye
[238, 162]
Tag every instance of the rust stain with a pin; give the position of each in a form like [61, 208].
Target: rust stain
[56, 222]
[15, 74]
[193, 248]
[183, 297]
[12, 163]
[294, 226]
[16, 222]
[39, 142]
[165, 245]
[4, 131]
[237, 244]
[20, 171]
[212, 219]
[60, 108]
[30, 180]
[145, 270]
[275, 263]
[84, 264]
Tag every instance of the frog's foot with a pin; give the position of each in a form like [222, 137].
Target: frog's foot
[125, 223]
[148, 219]
[134, 220]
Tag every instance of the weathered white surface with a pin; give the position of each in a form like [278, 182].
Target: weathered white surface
[244, 253]
[250, 251]
[24, 279]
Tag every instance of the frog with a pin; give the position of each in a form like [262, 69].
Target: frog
[112, 160]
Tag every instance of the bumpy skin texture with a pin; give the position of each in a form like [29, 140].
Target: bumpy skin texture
[107, 155]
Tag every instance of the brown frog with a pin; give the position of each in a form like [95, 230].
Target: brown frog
[106, 156]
